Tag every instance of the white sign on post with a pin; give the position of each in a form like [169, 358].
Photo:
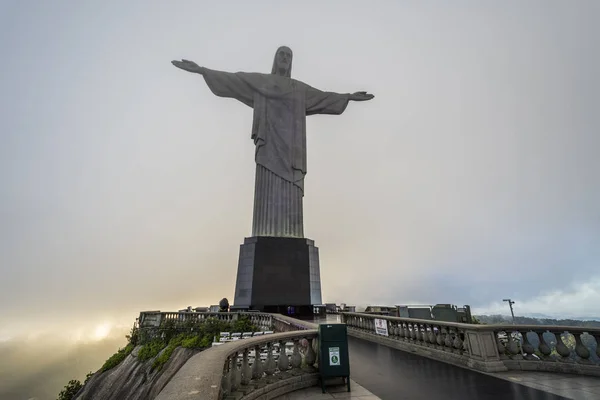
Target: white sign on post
[334, 356]
[381, 327]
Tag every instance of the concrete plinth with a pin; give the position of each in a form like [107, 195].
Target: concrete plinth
[275, 273]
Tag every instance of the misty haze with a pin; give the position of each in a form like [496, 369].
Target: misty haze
[125, 185]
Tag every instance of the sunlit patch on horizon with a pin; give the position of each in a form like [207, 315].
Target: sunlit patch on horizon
[101, 331]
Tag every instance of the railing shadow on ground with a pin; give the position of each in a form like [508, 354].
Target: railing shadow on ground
[487, 348]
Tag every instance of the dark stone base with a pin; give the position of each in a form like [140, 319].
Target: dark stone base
[275, 273]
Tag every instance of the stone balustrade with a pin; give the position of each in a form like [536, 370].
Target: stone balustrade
[157, 318]
[257, 367]
[268, 361]
[156, 324]
[489, 348]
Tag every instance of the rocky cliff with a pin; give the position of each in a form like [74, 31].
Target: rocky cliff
[133, 379]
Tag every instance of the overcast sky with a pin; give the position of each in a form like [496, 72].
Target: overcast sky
[473, 175]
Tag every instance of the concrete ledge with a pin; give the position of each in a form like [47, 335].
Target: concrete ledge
[553, 366]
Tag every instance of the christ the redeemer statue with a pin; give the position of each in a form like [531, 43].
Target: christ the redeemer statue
[280, 105]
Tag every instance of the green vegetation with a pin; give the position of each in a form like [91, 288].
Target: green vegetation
[72, 388]
[134, 336]
[150, 350]
[116, 358]
[192, 334]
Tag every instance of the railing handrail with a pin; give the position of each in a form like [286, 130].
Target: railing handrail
[479, 327]
[205, 313]
[230, 348]
[211, 362]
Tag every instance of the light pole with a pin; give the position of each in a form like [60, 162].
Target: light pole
[510, 303]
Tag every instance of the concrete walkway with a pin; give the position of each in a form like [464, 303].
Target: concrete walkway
[575, 387]
[333, 392]
[392, 374]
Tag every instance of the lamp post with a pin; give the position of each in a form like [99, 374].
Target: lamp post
[510, 303]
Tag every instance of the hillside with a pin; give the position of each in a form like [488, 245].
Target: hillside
[502, 319]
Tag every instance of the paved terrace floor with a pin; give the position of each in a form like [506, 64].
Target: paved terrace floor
[390, 374]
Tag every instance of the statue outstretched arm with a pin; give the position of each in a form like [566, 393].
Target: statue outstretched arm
[361, 96]
[189, 66]
[319, 102]
[222, 84]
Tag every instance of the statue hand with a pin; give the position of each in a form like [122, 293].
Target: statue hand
[361, 96]
[189, 66]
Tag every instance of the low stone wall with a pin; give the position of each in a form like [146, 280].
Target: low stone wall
[235, 370]
[488, 348]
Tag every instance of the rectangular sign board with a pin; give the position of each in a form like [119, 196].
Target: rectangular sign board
[381, 327]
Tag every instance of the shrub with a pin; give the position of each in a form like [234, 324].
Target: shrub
[116, 358]
[243, 324]
[70, 390]
[150, 350]
[196, 342]
[134, 336]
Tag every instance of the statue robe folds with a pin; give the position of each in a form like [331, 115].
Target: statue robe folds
[280, 106]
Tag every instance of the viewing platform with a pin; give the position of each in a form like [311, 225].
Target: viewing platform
[416, 359]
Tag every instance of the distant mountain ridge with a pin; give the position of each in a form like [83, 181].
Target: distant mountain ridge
[539, 315]
[539, 319]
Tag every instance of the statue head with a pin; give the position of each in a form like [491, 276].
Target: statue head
[282, 64]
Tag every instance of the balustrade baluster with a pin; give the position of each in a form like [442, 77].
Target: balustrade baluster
[423, 334]
[561, 347]
[543, 347]
[405, 328]
[512, 346]
[270, 362]
[283, 363]
[439, 337]
[257, 368]
[235, 373]
[448, 339]
[420, 334]
[310, 358]
[458, 342]
[580, 348]
[246, 371]
[501, 347]
[296, 359]
[226, 380]
[527, 346]
[431, 336]
[597, 338]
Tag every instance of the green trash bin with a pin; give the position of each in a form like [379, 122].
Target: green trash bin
[333, 353]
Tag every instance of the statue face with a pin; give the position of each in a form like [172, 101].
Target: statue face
[284, 60]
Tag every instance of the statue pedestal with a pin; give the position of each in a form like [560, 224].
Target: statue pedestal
[275, 273]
